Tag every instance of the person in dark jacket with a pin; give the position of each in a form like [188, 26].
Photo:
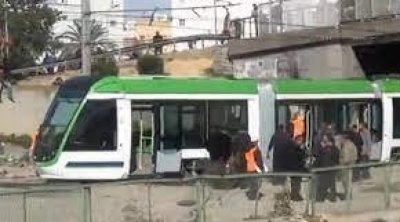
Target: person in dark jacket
[280, 143]
[296, 163]
[327, 156]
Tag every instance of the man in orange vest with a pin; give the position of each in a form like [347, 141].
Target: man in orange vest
[298, 125]
[253, 164]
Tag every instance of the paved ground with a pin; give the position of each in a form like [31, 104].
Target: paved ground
[176, 202]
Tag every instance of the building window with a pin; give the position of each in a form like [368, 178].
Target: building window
[113, 23]
[181, 22]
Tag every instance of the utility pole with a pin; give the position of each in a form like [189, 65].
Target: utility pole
[85, 38]
[215, 17]
[6, 28]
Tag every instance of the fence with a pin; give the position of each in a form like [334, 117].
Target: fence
[203, 198]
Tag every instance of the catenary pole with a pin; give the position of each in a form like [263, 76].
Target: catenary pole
[85, 37]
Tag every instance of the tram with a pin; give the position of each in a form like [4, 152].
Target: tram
[115, 127]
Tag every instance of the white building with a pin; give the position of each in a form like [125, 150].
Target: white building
[118, 27]
[207, 20]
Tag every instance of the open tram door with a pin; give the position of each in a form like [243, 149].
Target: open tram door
[143, 139]
[289, 112]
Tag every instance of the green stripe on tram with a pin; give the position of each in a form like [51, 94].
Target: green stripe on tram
[166, 85]
[390, 85]
[322, 86]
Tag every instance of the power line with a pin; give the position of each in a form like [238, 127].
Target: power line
[248, 19]
[168, 9]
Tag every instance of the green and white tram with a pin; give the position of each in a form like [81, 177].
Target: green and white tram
[104, 129]
[116, 127]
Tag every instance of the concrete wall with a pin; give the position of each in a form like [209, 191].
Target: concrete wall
[334, 61]
[25, 115]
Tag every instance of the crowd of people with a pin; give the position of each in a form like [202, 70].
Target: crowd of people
[330, 149]
[289, 154]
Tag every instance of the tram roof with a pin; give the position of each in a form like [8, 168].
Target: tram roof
[390, 85]
[170, 85]
[353, 86]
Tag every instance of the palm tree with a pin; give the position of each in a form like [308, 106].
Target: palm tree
[72, 39]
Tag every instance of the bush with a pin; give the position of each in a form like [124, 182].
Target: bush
[150, 65]
[21, 140]
[106, 66]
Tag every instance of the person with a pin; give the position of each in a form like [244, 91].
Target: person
[254, 15]
[357, 140]
[226, 25]
[48, 61]
[318, 138]
[366, 149]
[296, 163]
[157, 38]
[227, 22]
[252, 163]
[347, 156]
[238, 28]
[279, 143]
[298, 125]
[5, 85]
[327, 156]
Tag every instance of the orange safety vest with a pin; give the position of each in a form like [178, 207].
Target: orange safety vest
[298, 127]
[251, 163]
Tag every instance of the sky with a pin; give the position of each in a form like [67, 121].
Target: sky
[146, 4]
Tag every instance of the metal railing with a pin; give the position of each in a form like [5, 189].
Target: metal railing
[203, 198]
[189, 42]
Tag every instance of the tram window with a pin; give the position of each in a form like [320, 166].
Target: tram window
[171, 127]
[230, 117]
[184, 126]
[396, 118]
[192, 126]
[95, 128]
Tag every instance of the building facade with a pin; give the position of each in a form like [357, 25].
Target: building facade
[117, 25]
[208, 20]
[320, 39]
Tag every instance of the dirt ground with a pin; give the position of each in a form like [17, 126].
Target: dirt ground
[176, 202]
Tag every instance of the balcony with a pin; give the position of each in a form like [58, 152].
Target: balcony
[294, 15]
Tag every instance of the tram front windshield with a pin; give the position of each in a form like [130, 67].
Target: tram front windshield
[55, 124]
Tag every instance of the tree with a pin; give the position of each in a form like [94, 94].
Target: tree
[29, 26]
[150, 65]
[72, 39]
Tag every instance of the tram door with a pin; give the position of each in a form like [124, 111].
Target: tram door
[143, 130]
[286, 113]
[168, 155]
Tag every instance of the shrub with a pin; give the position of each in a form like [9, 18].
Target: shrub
[150, 65]
[21, 140]
[106, 66]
